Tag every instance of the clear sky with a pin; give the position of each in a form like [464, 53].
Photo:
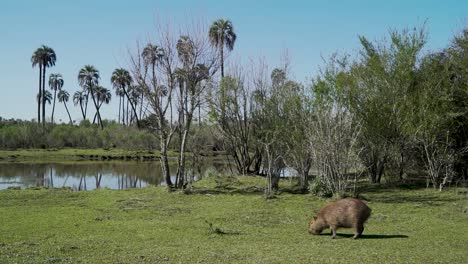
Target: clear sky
[99, 33]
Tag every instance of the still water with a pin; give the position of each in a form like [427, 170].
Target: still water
[90, 175]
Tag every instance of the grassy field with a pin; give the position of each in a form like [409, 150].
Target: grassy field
[76, 154]
[151, 225]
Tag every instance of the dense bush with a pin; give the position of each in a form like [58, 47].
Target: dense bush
[22, 134]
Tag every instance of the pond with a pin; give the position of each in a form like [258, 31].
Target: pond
[90, 175]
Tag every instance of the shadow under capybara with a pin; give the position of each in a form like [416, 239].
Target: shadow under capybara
[347, 212]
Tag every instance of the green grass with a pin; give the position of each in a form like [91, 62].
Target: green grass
[151, 226]
[38, 155]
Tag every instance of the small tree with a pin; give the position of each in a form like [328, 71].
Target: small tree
[334, 130]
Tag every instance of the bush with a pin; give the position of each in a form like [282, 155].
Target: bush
[24, 134]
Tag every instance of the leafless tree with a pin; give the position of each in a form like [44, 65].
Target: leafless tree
[199, 63]
[153, 68]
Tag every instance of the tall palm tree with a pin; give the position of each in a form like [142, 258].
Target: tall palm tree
[121, 78]
[151, 55]
[36, 59]
[55, 83]
[79, 97]
[222, 34]
[44, 57]
[63, 96]
[88, 77]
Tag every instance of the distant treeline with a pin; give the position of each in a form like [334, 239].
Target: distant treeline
[24, 134]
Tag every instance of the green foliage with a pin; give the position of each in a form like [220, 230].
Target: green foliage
[30, 135]
[318, 188]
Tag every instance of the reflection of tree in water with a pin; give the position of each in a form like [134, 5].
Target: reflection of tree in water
[125, 182]
[88, 175]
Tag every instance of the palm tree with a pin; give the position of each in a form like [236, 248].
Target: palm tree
[88, 77]
[36, 59]
[63, 96]
[55, 83]
[44, 57]
[47, 97]
[222, 34]
[121, 78]
[79, 98]
[151, 55]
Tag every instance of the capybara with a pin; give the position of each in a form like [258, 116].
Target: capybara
[348, 212]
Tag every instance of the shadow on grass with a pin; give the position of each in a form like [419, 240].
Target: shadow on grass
[367, 236]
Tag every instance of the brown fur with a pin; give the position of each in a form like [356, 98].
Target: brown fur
[348, 212]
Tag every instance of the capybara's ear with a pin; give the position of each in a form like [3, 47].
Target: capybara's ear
[315, 217]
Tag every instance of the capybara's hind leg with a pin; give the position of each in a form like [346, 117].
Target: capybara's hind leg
[359, 230]
[333, 231]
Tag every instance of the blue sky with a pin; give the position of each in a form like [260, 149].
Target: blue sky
[99, 33]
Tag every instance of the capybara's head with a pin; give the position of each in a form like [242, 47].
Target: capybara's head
[315, 227]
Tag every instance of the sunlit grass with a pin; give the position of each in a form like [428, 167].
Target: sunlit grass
[151, 225]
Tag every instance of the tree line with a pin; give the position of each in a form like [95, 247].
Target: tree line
[386, 112]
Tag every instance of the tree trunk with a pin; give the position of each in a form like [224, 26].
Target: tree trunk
[39, 99]
[82, 112]
[120, 106]
[165, 161]
[181, 167]
[126, 114]
[53, 107]
[222, 60]
[123, 110]
[133, 108]
[43, 94]
[86, 105]
[97, 109]
[95, 115]
[68, 112]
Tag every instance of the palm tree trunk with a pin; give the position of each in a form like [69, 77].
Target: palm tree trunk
[68, 112]
[97, 109]
[40, 96]
[86, 105]
[126, 113]
[43, 94]
[222, 61]
[133, 107]
[53, 107]
[82, 111]
[123, 110]
[95, 115]
[120, 106]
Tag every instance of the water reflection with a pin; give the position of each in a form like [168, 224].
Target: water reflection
[86, 175]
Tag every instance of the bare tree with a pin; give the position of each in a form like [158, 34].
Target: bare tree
[155, 73]
[231, 106]
[198, 64]
[334, 131]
